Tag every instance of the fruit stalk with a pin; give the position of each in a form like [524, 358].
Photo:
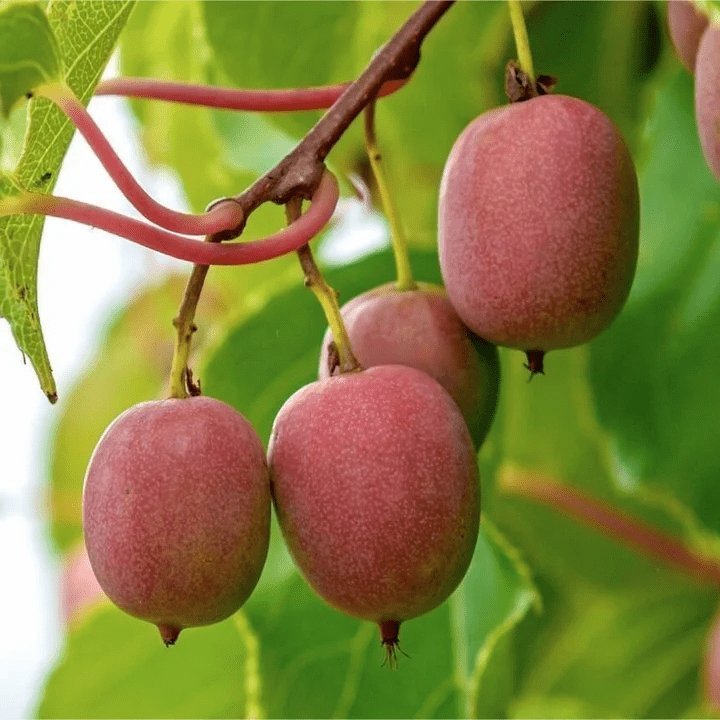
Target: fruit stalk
[522, 43]
[181, 381]
[326, 296]
[397, 235]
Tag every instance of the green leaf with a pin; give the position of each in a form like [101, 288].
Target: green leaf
[654, 372]
[632, 652]
[117, 666]
[316, 662]
[28, 52]
[86, 33]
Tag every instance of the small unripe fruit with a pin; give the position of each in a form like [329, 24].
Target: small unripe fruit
[176, 510]
[686, 25]
[420, 328]
[707, 97]
[375, 484]
[538, 224]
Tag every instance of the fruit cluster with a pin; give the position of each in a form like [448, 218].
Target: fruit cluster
[372, 468]
[696, 38]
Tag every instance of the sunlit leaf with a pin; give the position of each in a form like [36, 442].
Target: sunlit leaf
[85, 33]
[28, 52]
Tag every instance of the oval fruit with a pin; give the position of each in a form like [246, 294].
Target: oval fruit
[538, 224]
[419, 328]
[686, 25]
[176, 510]
[375, 484]
[707, 97]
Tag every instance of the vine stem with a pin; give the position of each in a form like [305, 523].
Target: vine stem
[225, 98]
[177, 246]
[522, 43]
[326, 296]
[223, 216]
[397, 235]
[614, 523]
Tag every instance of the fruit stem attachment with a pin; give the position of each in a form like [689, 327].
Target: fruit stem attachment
[522, 43]
[612, 522]
[326, 296]
[182, 384]
[397, 235]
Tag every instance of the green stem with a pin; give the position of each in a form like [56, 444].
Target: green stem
[397, 235]
[521, 39]
[326, 296]
[181, 382]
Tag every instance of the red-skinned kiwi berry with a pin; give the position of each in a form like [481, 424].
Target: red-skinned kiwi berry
[711, 666]
[176, 510]
[420, 328]
[686, 25]
[538, 224]
[375, 484]
[707, 97]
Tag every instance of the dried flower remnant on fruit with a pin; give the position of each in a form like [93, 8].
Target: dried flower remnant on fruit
[390, 641]
[535, 362]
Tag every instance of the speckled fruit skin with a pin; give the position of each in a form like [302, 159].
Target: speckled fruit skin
[176, 511]
[711, 666]
[375, 485]
[686, 25]
[421, 329]
[538, 223]
[707, 97]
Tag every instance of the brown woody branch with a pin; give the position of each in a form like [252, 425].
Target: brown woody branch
[298, 174]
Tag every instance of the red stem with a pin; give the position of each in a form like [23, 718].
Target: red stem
[613, 523]
[280, 100]
[201, 253]
[222, 217]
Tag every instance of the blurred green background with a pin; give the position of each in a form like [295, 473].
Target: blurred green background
[553, 619]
